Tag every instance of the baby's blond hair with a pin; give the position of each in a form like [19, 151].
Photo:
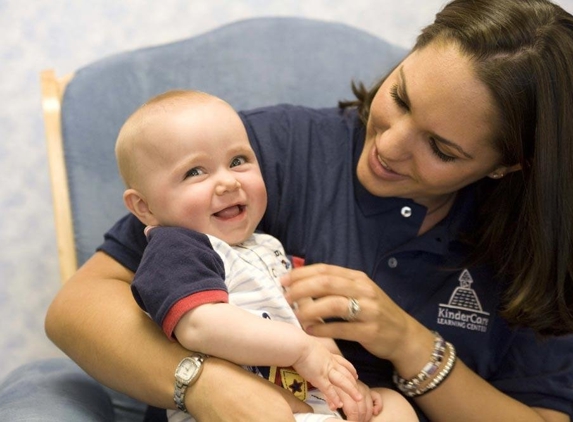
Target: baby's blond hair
[131, 143]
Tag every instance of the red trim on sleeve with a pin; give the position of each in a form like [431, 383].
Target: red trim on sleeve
[188, 303]
[297, 261]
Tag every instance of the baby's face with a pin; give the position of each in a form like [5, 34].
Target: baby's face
[203, 173]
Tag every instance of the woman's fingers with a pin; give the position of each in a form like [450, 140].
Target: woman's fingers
[340, 330]
[320, 269]
[323, 280]
[323, 292]
[320, 293]
[315, 311]
[339, 303]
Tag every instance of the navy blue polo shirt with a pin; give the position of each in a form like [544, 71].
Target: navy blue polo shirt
[320, 212]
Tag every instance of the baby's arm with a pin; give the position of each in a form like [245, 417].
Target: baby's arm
[234, 334]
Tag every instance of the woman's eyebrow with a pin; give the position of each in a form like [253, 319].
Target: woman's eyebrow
[402, 86]
[451, 144]
[406, 99]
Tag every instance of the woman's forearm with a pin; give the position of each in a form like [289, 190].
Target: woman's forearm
[95, 320]
[463, 394]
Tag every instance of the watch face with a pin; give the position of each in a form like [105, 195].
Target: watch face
[186, 370]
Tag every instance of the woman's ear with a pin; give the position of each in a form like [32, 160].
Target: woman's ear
[136, 203]
[501, 171]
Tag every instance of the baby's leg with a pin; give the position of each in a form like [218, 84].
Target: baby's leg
[395, 408]
[179, 416]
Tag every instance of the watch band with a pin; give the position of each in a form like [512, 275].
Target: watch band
[179, 396]
[186, 374]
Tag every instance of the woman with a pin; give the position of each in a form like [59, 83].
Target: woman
[446, 190]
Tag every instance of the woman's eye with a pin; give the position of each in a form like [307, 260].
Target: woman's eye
[444, 157]
[396, 97]
[237, 161]
[195, 171]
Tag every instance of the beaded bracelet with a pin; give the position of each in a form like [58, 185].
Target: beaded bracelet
[412, 387]
[428, 370]
[443, 374]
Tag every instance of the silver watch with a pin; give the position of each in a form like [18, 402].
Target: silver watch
[186, 374]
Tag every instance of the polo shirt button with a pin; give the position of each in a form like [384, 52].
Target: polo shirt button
[392, 262]
[406, 212]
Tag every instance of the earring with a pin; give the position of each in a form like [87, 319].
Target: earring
[497, 175]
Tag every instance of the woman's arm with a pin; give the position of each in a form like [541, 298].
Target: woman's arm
[95, 320]
[388, 332]
[443, 404]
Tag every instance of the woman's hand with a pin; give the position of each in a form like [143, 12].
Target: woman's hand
[381, 326]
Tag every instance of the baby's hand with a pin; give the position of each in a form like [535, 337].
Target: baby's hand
[328, 372]
[361, 410]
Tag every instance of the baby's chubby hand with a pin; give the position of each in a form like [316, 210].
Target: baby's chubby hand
[328, 372]
[361, 410]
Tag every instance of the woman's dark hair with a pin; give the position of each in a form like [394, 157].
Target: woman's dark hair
[522, 50]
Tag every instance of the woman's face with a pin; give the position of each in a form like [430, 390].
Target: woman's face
[430, 130]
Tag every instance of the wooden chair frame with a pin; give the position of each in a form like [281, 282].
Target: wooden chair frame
[52, 92]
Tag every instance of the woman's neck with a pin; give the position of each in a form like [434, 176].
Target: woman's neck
[436, 213]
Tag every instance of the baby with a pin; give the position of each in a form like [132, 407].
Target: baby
[206, 277]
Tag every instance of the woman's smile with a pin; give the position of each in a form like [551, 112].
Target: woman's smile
[381, 168]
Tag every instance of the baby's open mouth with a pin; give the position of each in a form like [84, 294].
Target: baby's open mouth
[230, 212]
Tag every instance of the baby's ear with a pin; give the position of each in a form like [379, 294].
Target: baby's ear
[136, 203]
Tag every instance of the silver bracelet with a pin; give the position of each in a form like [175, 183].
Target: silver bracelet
[412, 387]
[444, 373]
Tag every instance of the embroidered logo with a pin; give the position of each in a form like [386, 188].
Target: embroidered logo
[464, 309]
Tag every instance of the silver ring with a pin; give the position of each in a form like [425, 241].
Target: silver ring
[353, 309]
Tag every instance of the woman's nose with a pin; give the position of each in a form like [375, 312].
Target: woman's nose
[396, 142]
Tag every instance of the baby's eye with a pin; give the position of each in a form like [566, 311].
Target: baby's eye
[195, 171]
[237, 161]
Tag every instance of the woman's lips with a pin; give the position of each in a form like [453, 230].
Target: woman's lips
[381, 169]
